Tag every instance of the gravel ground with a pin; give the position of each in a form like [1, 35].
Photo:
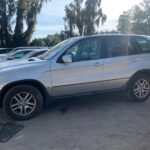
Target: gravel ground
[99, 122]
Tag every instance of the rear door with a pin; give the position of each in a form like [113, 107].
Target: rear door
[116, 62]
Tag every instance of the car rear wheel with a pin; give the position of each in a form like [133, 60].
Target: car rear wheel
[139, 88]
[22, 102]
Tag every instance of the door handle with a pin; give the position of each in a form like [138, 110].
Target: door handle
[97, 64]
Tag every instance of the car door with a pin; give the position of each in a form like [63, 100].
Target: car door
[85, 71]
[116, 63]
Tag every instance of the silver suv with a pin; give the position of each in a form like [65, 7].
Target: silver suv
[77, 66]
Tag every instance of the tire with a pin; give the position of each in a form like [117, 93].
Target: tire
[139, 88]
[22, 102]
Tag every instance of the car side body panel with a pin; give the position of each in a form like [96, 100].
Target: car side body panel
[75, 78]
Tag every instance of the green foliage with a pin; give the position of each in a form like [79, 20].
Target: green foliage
[124, 22]
[7, 11]
[83, 17]
[93, 16]
[46, 42]
[21, 14]
[136, 20]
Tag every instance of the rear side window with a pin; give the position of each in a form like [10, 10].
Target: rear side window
[144, 44]
[138, 45]
[124, 46]
[116, 46]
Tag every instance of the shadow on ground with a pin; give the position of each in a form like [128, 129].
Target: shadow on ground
[95, 122]
[89, 101]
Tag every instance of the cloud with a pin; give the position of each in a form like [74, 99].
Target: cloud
[51, 20]
[114, 8]
[55, 8]
[44, 30]
[51, 28]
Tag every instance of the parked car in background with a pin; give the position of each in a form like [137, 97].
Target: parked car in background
[35, 53]
[16, 55]
[77, 66]
[4, 55]
[4, 51]
[23, 48]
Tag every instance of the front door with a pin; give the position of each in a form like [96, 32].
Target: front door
[84, 73]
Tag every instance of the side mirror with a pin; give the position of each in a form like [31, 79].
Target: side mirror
[67, 59]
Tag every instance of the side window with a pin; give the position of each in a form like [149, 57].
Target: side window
[87, 49]
[38, 54]
[138, 45]
[117, 46]
[144, 44]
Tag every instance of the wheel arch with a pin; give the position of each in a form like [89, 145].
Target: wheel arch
[31, 82]
[143, 71]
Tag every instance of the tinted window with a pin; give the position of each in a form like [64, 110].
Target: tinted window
[87, 49]
[144, 44]
[38, 54]
[138, 45]
[117, 46]
[20, 54]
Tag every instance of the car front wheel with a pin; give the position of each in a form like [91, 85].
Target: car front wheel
[139, 88]
[22, 102]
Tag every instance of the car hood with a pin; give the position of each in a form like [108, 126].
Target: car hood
[16, 63]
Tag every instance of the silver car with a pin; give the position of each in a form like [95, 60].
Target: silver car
[34, 53]
[77, 66]
[15, 55]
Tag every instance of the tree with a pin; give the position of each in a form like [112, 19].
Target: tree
[136, 20]
[7, 11]
[18, 31]
[49, 41]
[141, 19]
[93, 16]
[79, 15]
[84, 17]
[124, 22]
[70, 19]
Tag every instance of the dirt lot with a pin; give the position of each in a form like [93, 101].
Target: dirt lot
[100, 122]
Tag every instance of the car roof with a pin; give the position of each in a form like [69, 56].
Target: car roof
[108, 35]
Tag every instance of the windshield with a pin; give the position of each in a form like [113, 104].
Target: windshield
[29, 54]
[53, 51]
[18, 55]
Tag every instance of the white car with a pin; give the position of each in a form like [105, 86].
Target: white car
[4, 52]
[15, 55]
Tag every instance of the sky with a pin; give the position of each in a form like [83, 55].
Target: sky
[50, 20]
